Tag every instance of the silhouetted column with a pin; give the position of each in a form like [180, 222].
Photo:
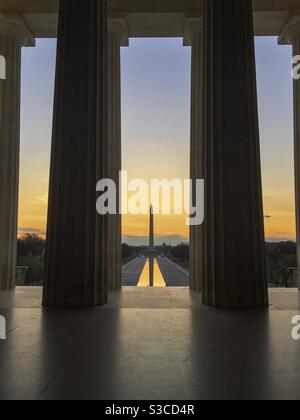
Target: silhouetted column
[194, 37]
[291, 35]
[76, 235]
[234, 269]
[117, 37]
[13, 35]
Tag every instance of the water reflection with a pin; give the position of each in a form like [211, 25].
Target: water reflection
[151, 275]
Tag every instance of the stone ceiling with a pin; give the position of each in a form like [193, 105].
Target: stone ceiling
[150, 17]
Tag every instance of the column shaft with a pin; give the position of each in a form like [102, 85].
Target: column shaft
[290, 35]
[9, 159]
[296, 51]
[197, 150]
[13, 35]
[234, 269]
[77, 237]
[114, 257]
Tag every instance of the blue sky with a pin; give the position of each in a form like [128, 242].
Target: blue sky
[155, 126]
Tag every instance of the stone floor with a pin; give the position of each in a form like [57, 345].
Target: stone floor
[149, 344]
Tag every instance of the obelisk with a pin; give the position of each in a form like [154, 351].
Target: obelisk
[151, 231]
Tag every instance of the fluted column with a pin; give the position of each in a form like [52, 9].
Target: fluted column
[76, 236]
[291, 35]
[13, 35]
[117, 37]
[234, 269]
[194, 37]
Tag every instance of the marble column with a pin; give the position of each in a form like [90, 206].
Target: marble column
[193, 37]
[13, 36]
[117, 37]
[291, 36]
[234, 259]
[76, 235]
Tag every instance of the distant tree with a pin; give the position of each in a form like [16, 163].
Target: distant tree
[280, 257]
[31, 237]
[31, 243]
[127, 251]
[181, 252]
[35, 264]
[31, 254]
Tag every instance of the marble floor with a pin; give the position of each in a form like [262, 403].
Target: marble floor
[149, 344]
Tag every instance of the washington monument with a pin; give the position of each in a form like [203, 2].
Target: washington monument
[151, 231]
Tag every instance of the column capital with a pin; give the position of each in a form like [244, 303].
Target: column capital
[192, 27]
[119, 28]
[291, 30]
[13, 25]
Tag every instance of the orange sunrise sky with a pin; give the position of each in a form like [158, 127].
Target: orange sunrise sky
[155, 129]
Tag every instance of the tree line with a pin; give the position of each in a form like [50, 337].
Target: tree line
[281, 257]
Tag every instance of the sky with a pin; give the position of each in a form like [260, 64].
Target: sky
[156, 130]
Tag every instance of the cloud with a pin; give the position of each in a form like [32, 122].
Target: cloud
[43, 198]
